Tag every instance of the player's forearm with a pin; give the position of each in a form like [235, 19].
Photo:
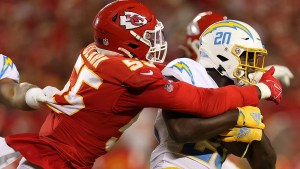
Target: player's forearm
[261, 154]
[193, 129]
[13, 95]
[203, 102]
[217, 101]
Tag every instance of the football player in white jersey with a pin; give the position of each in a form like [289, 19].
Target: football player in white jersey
[23, 96]
[205, 19]
[231, 52]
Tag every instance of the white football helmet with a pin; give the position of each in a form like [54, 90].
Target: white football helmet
[234, 49]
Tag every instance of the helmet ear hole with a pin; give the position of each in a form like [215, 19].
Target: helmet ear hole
[222, 58]
[114, 18]
[99, 41]
[133, 46]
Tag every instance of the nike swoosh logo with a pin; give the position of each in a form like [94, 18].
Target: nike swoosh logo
[148, 73]
[275, 85]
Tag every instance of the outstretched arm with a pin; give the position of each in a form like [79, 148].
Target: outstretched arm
[16, 95]
[204, 102]
[188, 128]
[261, 154]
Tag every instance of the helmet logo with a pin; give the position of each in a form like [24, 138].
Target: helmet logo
[237, 51]
[105, 42]
[132, 20]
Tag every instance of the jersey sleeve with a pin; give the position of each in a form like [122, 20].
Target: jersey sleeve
[8, 69]
[183, 97]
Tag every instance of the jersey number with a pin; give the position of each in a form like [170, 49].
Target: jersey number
[76, 103]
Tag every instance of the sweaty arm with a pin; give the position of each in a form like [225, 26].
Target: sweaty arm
[261, 154]
[186, 128]
[12, 94]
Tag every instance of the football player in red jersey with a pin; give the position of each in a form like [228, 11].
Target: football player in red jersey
[112, 81]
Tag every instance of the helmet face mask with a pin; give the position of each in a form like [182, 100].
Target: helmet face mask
[156, 41]
[130, 28]
[251, 61]
[234, 49]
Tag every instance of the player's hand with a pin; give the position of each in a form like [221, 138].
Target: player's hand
[270, 87]
[282, 73]
[242, 134]
[50, 91]
[34, 97]
[250, 116]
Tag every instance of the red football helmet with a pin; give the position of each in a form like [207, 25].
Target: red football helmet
[195, 29]
[130, 28]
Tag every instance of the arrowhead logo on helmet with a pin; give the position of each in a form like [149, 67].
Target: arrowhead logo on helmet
[132, 20]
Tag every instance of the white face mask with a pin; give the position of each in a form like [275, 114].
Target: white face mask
[156, 41]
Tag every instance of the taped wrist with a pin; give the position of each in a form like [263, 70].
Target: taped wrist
[264, 90]
[30, 97]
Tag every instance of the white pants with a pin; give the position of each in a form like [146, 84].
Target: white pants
[24, 164]
[178, 161]
[7, 154]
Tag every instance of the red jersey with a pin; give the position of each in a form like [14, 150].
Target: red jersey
[105, 94]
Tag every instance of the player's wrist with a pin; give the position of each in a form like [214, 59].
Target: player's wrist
[31, 97]
[264, 91]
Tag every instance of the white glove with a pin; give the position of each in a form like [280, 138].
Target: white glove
[282, 73]
[34, 97]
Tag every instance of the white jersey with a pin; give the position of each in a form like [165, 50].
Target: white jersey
[8, 68]
[201, 155]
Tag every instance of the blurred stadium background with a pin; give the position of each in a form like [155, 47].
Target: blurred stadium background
[44, 38]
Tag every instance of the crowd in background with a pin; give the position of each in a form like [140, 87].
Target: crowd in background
[44, 39]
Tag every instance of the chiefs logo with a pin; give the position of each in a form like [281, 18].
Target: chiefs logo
[132, 20]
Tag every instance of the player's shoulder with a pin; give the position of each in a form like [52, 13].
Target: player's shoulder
[5, 59]
[117, 68]
[111, 60]
[129, 64]
[182, 67]
[185, 63]
[7, 68]
[133, 73]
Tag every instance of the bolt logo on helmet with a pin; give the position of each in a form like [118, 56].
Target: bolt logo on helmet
[131, 30]
[229, 24]
[132, 20]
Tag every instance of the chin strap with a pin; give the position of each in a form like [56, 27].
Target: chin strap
[107, 52]
[246, 150]
[126, 52]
